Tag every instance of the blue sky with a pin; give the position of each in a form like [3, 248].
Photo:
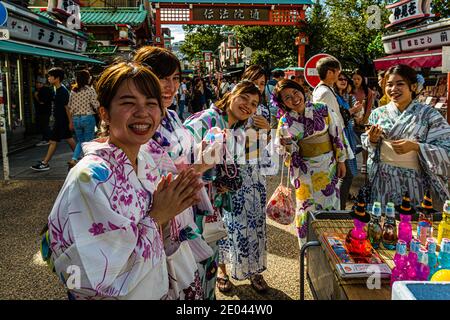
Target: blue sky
[176, 31]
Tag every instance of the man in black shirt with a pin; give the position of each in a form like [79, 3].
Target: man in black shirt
[61, 114]
[43, 97]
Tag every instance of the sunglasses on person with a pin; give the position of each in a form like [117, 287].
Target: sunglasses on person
[342, 79]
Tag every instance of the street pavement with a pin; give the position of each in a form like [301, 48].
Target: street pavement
[26, 200]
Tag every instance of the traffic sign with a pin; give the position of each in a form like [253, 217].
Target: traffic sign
[3, 14]
[311, 74]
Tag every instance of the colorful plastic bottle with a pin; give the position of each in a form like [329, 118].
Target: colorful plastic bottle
[374, 227]
[444, 225]
[413, 260]
[401, 262]
[432, 257]
[425, 227]
[389, 237]
[423, 270]
[405, 229]
[444, 255]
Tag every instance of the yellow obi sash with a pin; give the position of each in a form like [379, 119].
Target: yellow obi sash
[315, 145]
[408, 160]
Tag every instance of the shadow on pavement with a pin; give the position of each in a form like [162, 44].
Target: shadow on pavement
[246, 292]
[285, 244]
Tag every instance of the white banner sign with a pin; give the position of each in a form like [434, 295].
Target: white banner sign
[24, 30]
[407, 10]
[424, 41]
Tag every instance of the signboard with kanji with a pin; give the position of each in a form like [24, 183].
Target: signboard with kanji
[408, 10]
[22, 29]
[435, 39]
[230, 14]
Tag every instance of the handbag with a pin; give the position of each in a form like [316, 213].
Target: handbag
[280, 207]
[213, 226]
[228, 176]
[184, 278]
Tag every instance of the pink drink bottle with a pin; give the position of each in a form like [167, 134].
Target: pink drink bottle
[405, 229]
[423, 270]
[411, 269]
[401, 261]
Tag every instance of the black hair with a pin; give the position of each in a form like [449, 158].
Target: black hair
[56, 72]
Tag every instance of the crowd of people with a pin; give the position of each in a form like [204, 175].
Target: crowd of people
[112, 219]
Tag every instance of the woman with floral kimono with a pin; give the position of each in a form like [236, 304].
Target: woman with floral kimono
[317, 156]
[245, 247]
[408, 144]
[175, 153]
[104, 228]
[228, 115]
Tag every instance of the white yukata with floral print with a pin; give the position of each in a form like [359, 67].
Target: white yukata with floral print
[99, 226]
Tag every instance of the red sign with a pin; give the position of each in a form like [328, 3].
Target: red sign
[311, 74]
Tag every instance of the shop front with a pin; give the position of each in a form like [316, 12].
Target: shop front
[35, 45]
[421, 47]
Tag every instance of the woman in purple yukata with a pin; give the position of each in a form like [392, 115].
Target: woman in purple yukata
[104, 228]
[172, 149]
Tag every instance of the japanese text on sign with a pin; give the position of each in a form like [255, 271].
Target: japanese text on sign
[230, 14]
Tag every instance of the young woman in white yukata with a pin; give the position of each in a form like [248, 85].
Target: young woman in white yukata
[106, 221]
[172, 149]
[408, 144]
[230, 115]
[245, 247]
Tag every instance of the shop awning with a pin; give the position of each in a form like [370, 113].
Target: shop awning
[21, 48]
[105, 16]
[422, 59]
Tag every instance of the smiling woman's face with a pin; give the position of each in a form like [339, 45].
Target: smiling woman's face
[293, 99]
[169, 88]
[398, 90]
[132, 116]
[243, 106]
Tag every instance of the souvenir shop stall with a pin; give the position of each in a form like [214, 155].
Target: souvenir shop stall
[397, 251]
[412, 39]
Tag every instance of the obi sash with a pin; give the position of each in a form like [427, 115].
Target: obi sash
[315, 145]
[409, 160]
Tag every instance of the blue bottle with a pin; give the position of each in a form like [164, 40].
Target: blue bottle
[432, 257]
[444, 255]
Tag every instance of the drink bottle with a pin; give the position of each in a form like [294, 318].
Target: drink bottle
[374, 227]
[432, 257]
[389, 237]
[413, 260]
[444, 225]
[401, 262]
[423, 270]
[444, 255]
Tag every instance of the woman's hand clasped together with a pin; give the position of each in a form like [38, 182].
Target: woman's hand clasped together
[174, 196]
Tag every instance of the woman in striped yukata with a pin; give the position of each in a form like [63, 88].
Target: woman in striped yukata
[408, 144]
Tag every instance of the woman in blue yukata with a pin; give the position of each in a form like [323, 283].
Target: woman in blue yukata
[230, 115]
[408, 144]
[171, 149]
[245, 247]
[105, 223]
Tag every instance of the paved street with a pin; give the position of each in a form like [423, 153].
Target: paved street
[27, 199]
